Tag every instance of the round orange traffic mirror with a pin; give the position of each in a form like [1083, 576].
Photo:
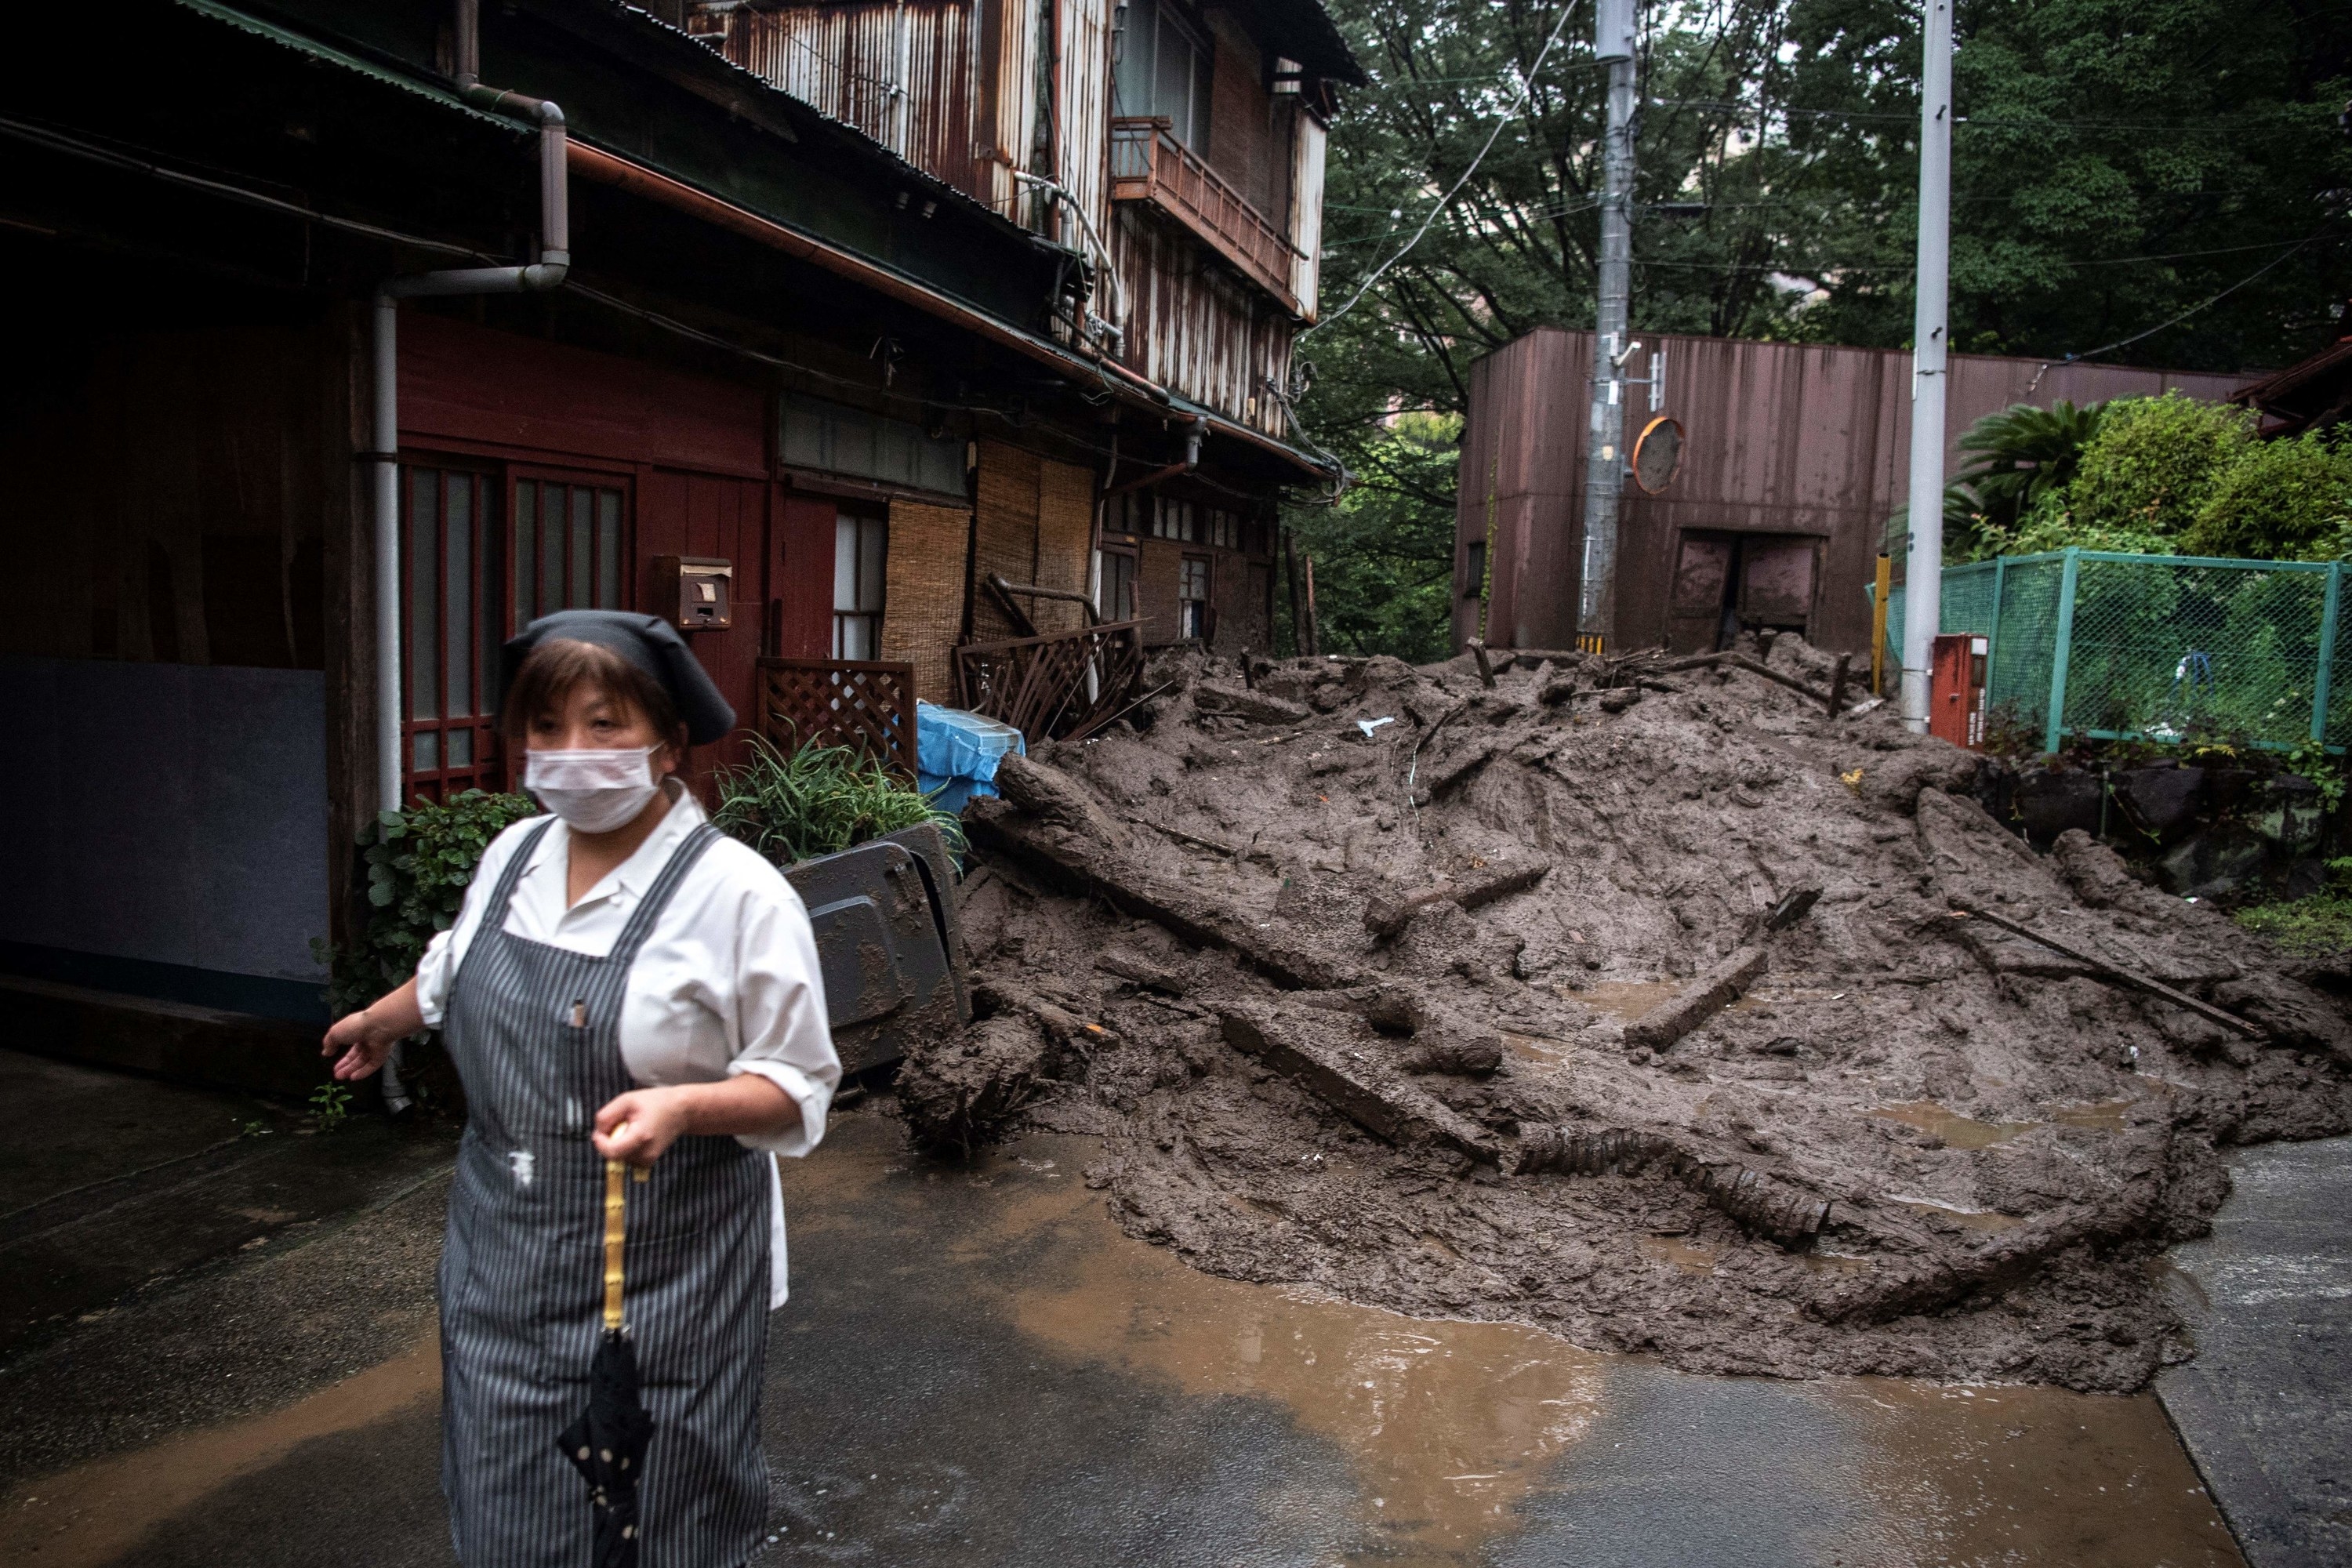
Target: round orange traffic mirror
[1657, 455]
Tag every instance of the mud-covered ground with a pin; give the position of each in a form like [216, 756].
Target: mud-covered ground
[2005, 1144]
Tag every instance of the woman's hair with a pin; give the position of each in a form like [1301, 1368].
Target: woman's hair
[559, 666]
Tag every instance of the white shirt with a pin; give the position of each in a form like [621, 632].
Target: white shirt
[726, 982]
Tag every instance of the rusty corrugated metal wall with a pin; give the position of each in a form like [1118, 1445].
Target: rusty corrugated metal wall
[952, 86]
[1788, 438]
[1082, 110]
[907, 73]
[1196, 329]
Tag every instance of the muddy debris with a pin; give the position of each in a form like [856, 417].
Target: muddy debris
[1622, 998]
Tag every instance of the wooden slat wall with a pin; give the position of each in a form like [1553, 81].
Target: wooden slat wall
[923, 591]
[1157, 566]
[1066, 523]
[1006, 541]
[1036, 525]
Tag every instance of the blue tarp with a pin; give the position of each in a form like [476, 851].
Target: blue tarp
[956, 753]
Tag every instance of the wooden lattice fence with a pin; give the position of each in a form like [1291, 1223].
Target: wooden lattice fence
[866, 706]
[1063, 687]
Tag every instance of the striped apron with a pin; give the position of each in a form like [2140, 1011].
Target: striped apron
[535, 1033]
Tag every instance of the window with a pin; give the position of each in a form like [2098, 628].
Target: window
[1161, 66]
[1473, 569]
[451, 629]
[1173, 520]
[1225, 529]
[1193, 598]
[843, 440]
[564, 550]
[860, 545]
[567, 547]
[1115, 601]
[1129, 514]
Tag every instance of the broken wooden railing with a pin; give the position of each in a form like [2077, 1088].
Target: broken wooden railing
[866, 706]
[1061, 687]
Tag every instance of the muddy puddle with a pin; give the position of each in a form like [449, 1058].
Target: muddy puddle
[90, 1516]
[1445, 1425]
[1463, 1437]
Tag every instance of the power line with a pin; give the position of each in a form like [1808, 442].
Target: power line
[1800, 269]
[2236, 122]
[1527, 86]
[2126, 343]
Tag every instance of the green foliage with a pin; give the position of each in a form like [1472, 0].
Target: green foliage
[419, 862]
[2153, 463]
[2278, 500]
[332, 1104]
[1384, 555]
[2319, 924]
[790, 805]
[2021, 461]
[2323, 768]
[2050, 524]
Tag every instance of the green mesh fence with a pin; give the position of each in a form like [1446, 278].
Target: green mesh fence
[2157, 648]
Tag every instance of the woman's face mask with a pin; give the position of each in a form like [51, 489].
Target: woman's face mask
[593, 791]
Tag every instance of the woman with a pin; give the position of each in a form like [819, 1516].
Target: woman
[625, 983]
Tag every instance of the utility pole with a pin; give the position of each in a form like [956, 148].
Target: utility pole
[1923, 568]
[1604, 452]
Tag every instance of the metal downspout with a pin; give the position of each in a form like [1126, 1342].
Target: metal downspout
[1192, 436]
[554, 262]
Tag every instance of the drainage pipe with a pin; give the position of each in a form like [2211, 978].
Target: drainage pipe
[1198, 429]
[554, 261]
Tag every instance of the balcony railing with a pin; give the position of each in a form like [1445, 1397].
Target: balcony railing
[1148, 164]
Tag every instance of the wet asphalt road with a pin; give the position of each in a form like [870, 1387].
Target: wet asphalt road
[2263, 1408]
[976, 1368]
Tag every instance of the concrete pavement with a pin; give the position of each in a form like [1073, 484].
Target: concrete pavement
[2264, 1407]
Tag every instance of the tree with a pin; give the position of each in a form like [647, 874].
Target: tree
[2119, 164]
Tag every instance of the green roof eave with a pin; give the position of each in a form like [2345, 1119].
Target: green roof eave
[327, 54]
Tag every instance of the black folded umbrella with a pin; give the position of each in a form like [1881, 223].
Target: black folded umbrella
[607, 1442]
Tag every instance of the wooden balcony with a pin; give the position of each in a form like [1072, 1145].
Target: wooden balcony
[1149, 165]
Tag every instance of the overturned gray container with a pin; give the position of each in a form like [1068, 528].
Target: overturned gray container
[887, 943]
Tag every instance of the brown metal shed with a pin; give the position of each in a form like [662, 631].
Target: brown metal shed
[1796, 455]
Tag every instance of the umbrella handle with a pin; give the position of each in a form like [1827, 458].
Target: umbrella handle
[615, 1212]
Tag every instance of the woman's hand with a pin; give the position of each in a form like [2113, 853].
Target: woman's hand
[640, 1126]
[366, 1038]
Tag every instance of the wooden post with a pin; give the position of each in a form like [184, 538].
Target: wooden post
[1291, 573]
[1313, 627]
[1837, 685]
[1485, 665]
[1884, 588]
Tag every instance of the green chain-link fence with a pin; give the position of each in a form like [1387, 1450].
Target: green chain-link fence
[2083, 643]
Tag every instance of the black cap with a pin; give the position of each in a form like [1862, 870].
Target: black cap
[648, 642]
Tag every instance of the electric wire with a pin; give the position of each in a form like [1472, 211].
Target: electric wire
[1527, 89]
[2193, 309]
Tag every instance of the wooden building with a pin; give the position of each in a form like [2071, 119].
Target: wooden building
[1795, 455]
[732, 342]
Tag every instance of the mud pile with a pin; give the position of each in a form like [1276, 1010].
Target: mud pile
[1385, 981]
